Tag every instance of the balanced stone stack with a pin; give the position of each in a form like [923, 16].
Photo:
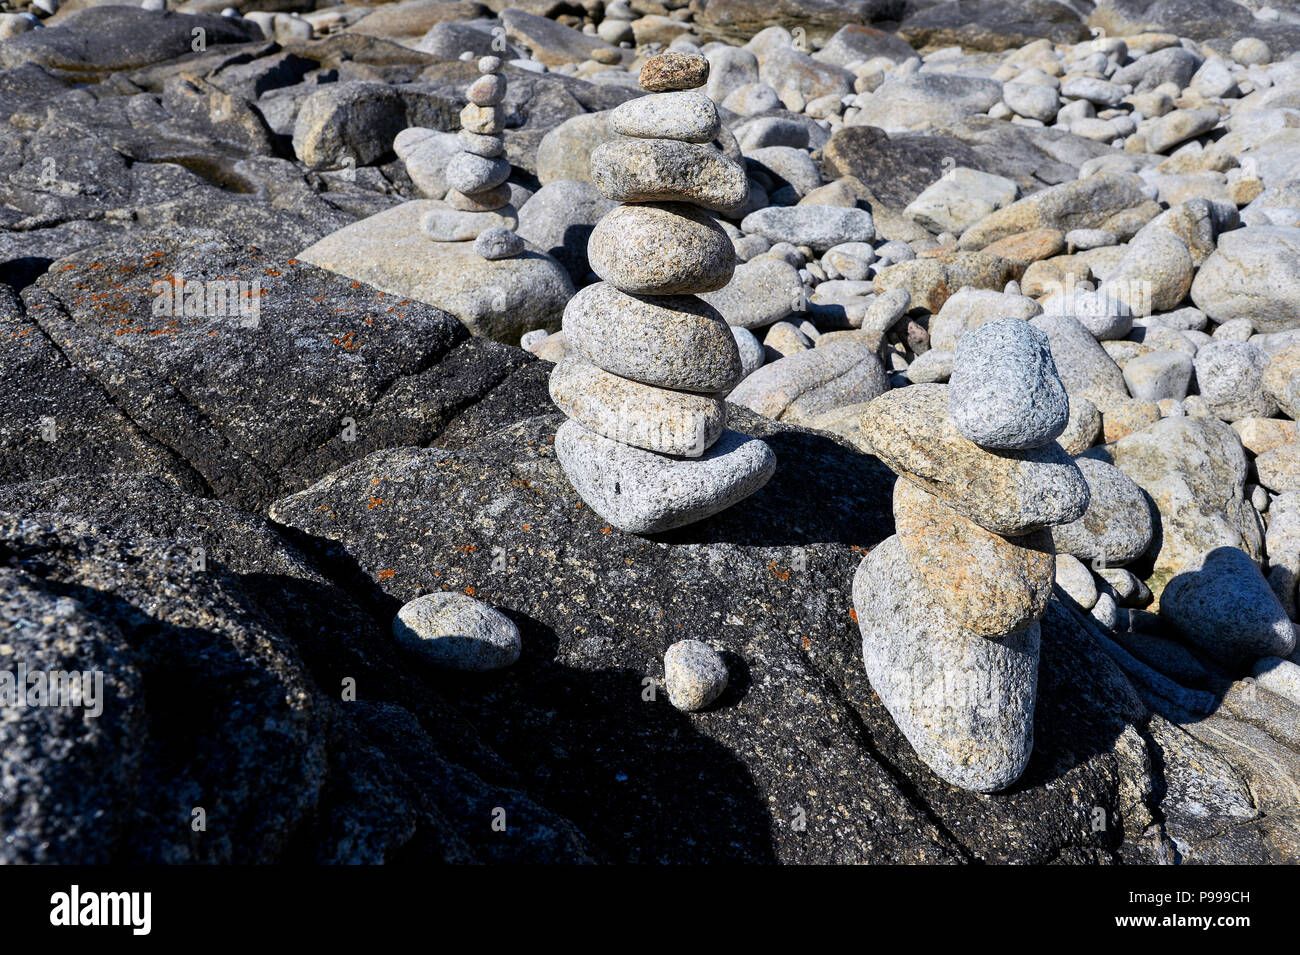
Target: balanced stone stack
[646, 445]
[949, 606]
[478, 196]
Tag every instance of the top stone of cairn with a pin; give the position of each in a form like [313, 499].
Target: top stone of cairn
[666, 72]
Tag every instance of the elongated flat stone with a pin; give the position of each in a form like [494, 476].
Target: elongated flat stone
[451, 225]
[644, 493]
[688, 116]
[670, 248]
[469, 173]
[1007, 492]
[988, 584]
[667, 422]
[670, 341]
[664, 170]
[965, 703]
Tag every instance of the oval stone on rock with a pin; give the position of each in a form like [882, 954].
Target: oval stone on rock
[1116, 528]
[671, 248]
[989, 585]
[1004, 391]
[489, 200]
[452, 225]
[820, 227]
[799, 388]
[965, 703]
[663, 170]
[458, 632]
[469, 173]
[1220, 602]
[644, 493]
[759, 293]
[668, 422]
[1007, 492]
[688, 116]
[498, 243]
[671, 341]
[487, 90]
[695, 675]
[674, 71]
[488, 146]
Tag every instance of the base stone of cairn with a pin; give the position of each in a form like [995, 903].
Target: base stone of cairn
[646, 444]
[949, 606]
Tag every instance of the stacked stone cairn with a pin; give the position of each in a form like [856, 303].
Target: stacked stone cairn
[478, 195]
[646, 445]
[949, 606]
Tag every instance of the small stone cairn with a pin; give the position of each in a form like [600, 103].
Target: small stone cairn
[949, 606]
[646, 445]
[478, 196]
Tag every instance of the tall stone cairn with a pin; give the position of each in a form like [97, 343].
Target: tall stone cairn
[647, 445]
[476, 176]
[477, 203]
[949, 606]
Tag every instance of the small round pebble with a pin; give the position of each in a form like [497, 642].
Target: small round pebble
[456, 631]
[498, 243]
[695, 673]
[489, 64]
[674, 71]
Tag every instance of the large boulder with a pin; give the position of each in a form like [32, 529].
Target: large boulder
[100, 40]
[818, 19]
[226, 731]
[1253, 273]
[498, 299]
[244, 406]
[1194, 472]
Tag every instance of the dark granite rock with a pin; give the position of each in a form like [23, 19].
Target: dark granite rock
[994, 26]
[107, 38]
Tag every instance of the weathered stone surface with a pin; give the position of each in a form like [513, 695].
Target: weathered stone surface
[760, 292]
[819, 227]
[969, 308]
[1092, 203]
[125, 38]
[964, 702]
[645, 493]
[320, 349]
[664, 170]
[667, 422]
[565, 151]
[558, 219]
[803, 386]
[919, 101]
[1230, 376]
[1194, 471]
[1080, 361]
[495, 299]
[987, 584]
[695, 675]
[687, 116]
[1007, 492]
[931, 281]
[674, 71]
[675, 341]
[1116, 529]
[669, 248]
[1252, 274]
[1220, 602]
[457, 632]
[1004, 391]
[959, 199]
